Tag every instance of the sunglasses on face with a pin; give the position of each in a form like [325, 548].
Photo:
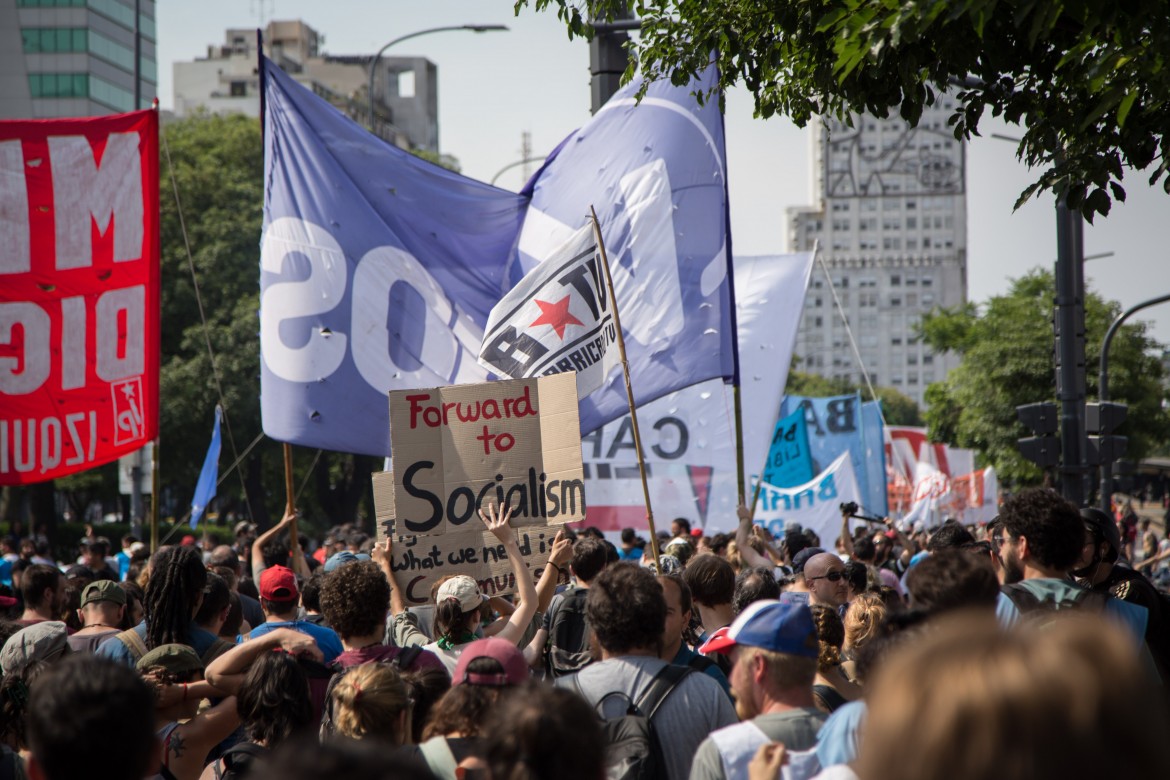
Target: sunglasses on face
[833, 576]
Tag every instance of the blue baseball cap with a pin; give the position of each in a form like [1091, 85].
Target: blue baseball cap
[340, 559]
[770, 625]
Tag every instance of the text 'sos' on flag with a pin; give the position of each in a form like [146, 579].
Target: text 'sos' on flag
[79, 287]
[558, 318]
[378, 270]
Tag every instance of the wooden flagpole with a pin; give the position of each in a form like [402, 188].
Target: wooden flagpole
[629, 391]
[294, 545]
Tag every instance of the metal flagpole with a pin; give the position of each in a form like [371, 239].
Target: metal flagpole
[629, 391]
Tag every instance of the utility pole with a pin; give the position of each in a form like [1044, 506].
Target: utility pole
[608, 58]
[1069, 328]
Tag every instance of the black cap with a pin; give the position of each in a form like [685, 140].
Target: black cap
[1102, 526]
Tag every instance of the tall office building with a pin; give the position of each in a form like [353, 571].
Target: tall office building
[890, 217]
[406, 93]
[76, 57]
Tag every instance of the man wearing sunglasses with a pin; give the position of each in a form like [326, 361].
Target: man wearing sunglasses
[824, 574]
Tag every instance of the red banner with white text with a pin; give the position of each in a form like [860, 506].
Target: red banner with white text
[79, 293]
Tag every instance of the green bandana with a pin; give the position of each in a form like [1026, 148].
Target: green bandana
[445, 642]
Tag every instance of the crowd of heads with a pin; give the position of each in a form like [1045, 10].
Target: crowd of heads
[971, 651]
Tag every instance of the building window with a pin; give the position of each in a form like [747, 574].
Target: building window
[895, 280]
[927, 359]
[49, 3]
[819, 322]
[911, 281]
[58, 85]
[239, 89]
[911, 299]
[39, 40]
[122, 56]
[895, 300]
[896, 341]
[927, 281]
[910, 205]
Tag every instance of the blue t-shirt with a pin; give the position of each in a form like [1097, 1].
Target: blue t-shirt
[633, 554]
[116, 650]
[683, 658]
[326, 638]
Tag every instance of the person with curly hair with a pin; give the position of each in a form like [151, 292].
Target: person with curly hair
[355, 600]
[862, 619]
[831, 688]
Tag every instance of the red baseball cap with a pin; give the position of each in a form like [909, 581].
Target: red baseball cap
[513, 667]
[278, 583]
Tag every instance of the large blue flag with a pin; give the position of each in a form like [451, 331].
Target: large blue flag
[208, 475]
[656, 173]
[840, 424]
[378, 270]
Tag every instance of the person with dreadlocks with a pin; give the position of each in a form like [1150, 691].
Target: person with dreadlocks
[173, 596]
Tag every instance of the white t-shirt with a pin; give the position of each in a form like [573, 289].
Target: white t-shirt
[450, 658]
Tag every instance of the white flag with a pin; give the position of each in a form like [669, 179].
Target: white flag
[558, 318]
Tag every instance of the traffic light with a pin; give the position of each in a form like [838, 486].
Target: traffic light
[1101, 420]
[1043, 449]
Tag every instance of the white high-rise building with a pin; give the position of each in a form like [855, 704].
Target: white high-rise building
[890, 216]
[406, 92]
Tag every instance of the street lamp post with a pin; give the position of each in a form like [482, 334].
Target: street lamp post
[478, 28]
[1103, 389]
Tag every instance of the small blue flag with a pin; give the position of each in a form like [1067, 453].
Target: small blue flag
[789, 460]
[208, 476]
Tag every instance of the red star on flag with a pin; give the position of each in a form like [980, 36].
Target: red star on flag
[557, 315]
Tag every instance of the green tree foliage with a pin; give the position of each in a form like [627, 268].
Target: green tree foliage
[1007, 361]
[897, 408]
[1088, 79]
[218, 169]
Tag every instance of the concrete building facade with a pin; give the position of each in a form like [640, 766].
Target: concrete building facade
[406, 93]
[890, 217]
[61, 58]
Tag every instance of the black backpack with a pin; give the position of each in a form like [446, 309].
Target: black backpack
[569, 636]
[1027, 602]
[633, 750]
[238, 761]
[402, 662]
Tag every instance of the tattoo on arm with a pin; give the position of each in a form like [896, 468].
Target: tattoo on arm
[175, 744]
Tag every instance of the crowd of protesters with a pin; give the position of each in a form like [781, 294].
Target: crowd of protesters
[1030, 647]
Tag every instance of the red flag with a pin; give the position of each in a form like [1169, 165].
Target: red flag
[79, 293]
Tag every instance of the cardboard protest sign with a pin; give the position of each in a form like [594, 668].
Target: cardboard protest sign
[515, 443]
[383, 504]
[418, 561]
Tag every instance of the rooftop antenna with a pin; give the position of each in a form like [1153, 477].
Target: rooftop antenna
[264, 10]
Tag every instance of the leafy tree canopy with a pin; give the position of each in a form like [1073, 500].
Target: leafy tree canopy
[1088, 79]
[897, 408]
[1006, 350]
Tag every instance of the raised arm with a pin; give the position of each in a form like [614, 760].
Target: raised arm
[497, 523]
[558, 559]
[227, 672]
[743, 540]
[846, 534]
[265, 538]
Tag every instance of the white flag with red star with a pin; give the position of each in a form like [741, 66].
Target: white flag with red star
[558, 318]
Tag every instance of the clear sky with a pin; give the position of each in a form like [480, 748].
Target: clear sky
[495, 86]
